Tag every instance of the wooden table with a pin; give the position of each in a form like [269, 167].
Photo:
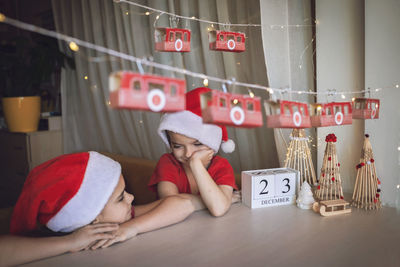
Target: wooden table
[273, 236]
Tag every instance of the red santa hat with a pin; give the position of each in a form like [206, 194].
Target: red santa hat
[65, 193]
[190, 123]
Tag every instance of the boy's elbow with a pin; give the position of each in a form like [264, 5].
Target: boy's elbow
[219, 210]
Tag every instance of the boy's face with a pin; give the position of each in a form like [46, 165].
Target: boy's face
[183, 147]
[118, 207]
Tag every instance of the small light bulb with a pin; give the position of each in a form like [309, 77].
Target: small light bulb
[398, 148]
[299, 66]
[319, 108]
[271, 91]
[235, 101]
[126, 13]
[86, 77]
[238, 63]
[205, 82]
[281, 27]
[251, 94]
[353, 99]
[377, 89]
[2, 17]
[109, 103]
[73, 46]
[299, 92]
[147, 13]
[343, 96]
[158, 16]
[397, 86]
[193, 17]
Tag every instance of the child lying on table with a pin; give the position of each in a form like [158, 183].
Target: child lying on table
[82, 194]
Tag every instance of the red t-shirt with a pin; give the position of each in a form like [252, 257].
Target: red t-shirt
[170, 169]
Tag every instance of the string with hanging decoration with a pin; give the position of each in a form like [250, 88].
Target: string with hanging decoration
[288, 110]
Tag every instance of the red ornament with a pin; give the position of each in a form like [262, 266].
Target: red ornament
[375, 200]
[379, 182]
[338, 164]
[323, 174]
[341, 197]
[319, 187]
[377, 195]
[333, 179]
[362, 164]
[329, 158]
[372, 160]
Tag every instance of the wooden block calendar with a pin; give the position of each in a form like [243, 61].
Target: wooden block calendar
[270, 187]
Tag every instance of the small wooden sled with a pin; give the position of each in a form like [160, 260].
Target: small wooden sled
[331, 207]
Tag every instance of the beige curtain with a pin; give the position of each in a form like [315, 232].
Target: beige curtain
[288, 51]
[89, 124]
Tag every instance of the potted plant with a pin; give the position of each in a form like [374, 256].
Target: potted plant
[25, 64]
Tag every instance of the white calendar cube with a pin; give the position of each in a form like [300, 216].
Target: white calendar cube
[269, 187]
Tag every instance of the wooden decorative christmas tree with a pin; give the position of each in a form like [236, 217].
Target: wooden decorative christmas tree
[367, 188]
[298, 157]
[330, 184]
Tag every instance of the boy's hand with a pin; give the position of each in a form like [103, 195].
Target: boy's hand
[236, 196]
[85, 236]
[122, 234]
[203, 155]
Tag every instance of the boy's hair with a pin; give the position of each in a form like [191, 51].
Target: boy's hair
[65, 193]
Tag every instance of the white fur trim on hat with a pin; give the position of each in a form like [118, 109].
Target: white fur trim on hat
[189, 124]
[101, 177]
[228, 146]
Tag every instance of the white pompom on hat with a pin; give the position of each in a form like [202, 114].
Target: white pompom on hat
[190, 123]
[65, 193]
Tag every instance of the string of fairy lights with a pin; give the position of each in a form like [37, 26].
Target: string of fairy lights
[75, 43]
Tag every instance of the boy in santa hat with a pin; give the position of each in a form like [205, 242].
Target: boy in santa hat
[193, 166]
[82, 194]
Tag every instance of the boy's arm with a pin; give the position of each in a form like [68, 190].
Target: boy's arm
[166, 211]
[217, 198]
[20, 249]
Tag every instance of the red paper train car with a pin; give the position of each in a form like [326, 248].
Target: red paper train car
[172, 40]
[287, 114]
[227, 41]
[330, 114]
[231, 109]
[130, 90]
[366, 108]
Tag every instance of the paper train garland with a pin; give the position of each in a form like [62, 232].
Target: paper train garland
[131, 90]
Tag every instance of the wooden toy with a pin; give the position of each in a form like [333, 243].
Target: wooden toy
[330, 114]
[366, 108]
[330, 185]
[226, 41]
[231, 109]
[367, 190]
[172, 40]
[298, 157]
[130, 90]
[332, 207]
[269, 187]
[287, 114]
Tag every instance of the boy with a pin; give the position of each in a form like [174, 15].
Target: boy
[83, 193]
[192, 167]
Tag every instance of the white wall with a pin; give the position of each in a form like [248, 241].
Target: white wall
[340, 66]
[382, 68]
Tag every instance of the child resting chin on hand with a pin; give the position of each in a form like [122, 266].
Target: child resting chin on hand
[193, 166]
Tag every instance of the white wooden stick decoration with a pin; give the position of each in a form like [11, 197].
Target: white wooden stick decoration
[298, 157]
[330, 184]
[367, 187]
